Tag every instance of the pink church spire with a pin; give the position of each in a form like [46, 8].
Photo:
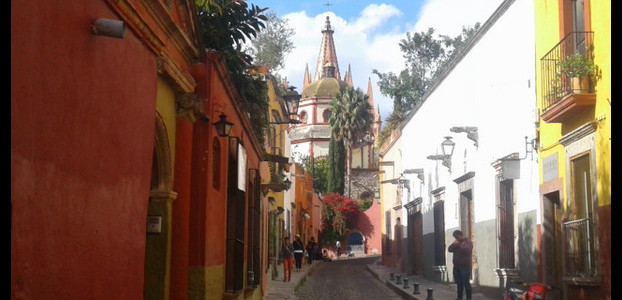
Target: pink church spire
[328, 55]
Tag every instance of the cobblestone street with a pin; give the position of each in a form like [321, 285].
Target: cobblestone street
[344, 279]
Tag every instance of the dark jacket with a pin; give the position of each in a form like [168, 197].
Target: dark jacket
[298, 246]
[287, 251]
[462, 253]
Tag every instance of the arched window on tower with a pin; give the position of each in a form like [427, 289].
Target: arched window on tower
[303, 117]
[326, 114]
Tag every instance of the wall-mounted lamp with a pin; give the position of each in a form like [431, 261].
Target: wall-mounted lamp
[447, 146]
[223, 127]
[470, 131]
[288, 184]
[108, 27]
[530, 146]
[292, 101]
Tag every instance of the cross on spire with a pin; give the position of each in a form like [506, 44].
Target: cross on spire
[327, 5]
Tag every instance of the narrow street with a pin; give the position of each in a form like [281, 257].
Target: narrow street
[344, 279]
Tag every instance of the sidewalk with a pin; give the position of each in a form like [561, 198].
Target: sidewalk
[440, 291]
[279, 290]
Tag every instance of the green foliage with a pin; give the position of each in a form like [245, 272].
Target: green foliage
[426, 60]
[273, 43]
[336, 164]
[319, 172]
[225, 26]
[351, 119]
[365, 204]
[578, 65]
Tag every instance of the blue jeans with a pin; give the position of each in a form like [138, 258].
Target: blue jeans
[462, 276]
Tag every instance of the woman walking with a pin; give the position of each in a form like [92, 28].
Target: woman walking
[287, 254]
[298, 252]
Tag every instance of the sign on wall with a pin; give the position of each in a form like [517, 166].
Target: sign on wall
[241, 167]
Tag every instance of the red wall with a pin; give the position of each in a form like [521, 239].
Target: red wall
[82, 138]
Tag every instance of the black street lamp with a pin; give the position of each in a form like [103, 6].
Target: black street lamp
[223, 127]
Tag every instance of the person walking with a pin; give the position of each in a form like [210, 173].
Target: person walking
[311, 248]
[462, 249]
[338, 244]
[298, 252]
[287, 255]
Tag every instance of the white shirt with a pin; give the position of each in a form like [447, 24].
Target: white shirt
[338, 244]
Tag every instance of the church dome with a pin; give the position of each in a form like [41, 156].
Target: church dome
[324, 87]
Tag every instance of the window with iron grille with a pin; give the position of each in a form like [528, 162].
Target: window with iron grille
[505, 224]
[581, 257]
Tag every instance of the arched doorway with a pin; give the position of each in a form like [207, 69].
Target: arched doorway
[159, 214]
[356, 242]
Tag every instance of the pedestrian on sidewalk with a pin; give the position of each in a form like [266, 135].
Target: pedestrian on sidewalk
[311, 249]
[287, 255]
[298, 252]
[462, 249]
[338, 244]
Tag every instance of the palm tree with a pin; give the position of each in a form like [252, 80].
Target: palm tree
[351, 119]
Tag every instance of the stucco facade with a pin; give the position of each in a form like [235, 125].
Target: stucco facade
[488, 188]
[575, 145]
[120, 186]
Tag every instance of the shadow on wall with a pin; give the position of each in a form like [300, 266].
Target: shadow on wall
[528, 258]
[365, 225]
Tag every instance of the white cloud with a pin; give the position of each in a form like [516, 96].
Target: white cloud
[373, 15]
[363, 45]
[447, 17]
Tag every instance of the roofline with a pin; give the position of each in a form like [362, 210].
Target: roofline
[480, 33]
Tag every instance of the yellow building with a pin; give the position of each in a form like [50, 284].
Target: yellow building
[573, 52]
[275, 170]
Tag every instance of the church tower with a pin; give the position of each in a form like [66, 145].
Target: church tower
[310, 139]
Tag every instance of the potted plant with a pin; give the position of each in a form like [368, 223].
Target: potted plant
[578, 68]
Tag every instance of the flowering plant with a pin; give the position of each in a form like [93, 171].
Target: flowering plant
[339, 215]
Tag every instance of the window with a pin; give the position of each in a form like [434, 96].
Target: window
[505, 224]
[326, 115]
[303, 117]
[580, 250]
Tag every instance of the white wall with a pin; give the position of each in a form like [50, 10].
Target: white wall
[493, 89]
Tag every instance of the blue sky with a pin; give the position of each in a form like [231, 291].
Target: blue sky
[367, 33]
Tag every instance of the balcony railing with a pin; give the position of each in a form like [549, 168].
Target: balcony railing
[579, 251]
[556, 86]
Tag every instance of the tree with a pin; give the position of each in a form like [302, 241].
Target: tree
[351, 119]
[318, 168]
[336, 163]
[272, 43]
[225, 26]
[339, 215]
[426, 60]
